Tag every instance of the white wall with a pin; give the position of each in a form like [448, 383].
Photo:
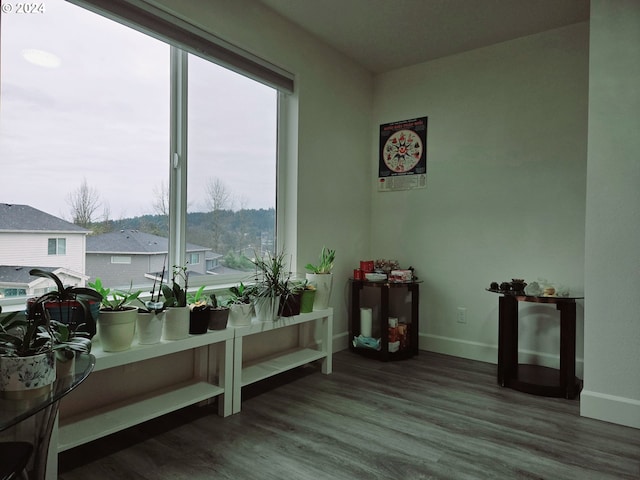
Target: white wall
[506, 180]
[612, 270]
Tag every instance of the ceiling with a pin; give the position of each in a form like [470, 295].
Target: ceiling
[383, 35]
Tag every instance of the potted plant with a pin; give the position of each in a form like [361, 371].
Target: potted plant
[291, 299]
[199, 312]
[150, 318]
[77, 307]
[320, 275]
[240, 305]
[30, 343]
[218, 315]
[176, 320]
[117, 319]
[269, 287]
[307, 297]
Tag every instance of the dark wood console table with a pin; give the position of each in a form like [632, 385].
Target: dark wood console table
[536, 379]
[411, 349]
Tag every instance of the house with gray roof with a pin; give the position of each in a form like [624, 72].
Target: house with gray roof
[32, 238]
[125, 256]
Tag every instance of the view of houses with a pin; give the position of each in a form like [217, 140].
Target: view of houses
[30, 238]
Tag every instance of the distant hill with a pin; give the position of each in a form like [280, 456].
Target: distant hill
[224, 231]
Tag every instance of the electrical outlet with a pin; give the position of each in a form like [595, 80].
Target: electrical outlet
[462, 315]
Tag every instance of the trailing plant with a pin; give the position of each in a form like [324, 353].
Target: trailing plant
[327, 258]
[115, 300]
[176, 294]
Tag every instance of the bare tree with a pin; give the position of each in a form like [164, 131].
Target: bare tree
[84, 201]
[218, 198]
[160, 203]
[218, 195]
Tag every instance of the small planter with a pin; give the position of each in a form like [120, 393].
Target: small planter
[27, 377]
[149, 327]
[267, 308]
[306, 302]
[199, 321]
[290, 305]
[218, 318]
[176, 323]
[116, 329]
[323, 283]
[240, 314]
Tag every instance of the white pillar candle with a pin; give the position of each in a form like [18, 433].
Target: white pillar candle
[365, 322]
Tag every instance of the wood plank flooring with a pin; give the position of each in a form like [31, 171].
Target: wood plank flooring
[430, 417]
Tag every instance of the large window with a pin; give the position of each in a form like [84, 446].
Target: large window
[86, 136]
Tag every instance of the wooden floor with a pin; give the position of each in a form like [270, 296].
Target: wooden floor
[430, 417]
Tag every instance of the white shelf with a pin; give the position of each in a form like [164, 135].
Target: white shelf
[139, 352]
[261, 327]
[268, 367]
[321, 348]
[94, 424]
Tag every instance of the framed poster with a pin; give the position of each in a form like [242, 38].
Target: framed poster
[403, 155]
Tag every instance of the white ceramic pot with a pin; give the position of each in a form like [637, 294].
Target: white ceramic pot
[323, 283]
[176, 323]
[240, 314]
[267, 308]
[27, 377]
[116, 329]
[149, 327]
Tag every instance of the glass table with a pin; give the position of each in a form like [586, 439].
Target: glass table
[33, 418]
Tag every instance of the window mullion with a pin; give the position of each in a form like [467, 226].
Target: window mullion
[178, 160]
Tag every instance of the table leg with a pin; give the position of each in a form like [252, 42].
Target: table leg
[507, 340]
[568, 349]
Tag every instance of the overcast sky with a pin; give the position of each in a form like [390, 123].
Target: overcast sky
[99, 109]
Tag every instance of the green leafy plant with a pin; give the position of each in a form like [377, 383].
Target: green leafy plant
[33, 332]
[115, 300]
[271, 275]
[176, 294]
[197, 301]
[240, 294]
[327, 259]
[62, 302]
[215, 304]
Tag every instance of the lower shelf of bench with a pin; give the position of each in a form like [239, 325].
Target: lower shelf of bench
[94, 424]
[270, 366]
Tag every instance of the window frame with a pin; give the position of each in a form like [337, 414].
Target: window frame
[284, 86]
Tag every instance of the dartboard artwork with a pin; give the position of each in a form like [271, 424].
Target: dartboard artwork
[402, 151]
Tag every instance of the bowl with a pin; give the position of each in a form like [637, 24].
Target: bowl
[375, 277]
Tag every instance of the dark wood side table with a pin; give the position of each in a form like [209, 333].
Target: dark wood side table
[537, 379]
[411, 349]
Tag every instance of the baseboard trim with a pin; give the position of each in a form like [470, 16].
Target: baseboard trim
[610, 408]
[488, 353]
